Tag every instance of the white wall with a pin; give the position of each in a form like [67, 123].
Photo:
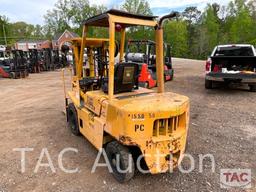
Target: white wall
[32, 45]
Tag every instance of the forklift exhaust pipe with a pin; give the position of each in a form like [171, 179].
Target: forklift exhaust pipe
[169, 16]
[160, 51]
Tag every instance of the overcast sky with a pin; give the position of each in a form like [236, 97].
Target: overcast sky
[32, 11]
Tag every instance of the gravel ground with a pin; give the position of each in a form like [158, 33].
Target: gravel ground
[222, 124]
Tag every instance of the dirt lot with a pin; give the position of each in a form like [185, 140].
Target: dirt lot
[223, 123]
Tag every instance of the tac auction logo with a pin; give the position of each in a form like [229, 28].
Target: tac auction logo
[235, 178]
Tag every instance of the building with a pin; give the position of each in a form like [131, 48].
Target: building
[44, 44]
[25, 45]
[56, 43]
[61, 38]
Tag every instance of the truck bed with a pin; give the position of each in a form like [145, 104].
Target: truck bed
[237, 63]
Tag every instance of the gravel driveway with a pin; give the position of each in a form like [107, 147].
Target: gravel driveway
[222, 123]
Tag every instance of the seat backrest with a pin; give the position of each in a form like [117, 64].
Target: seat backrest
[125, 78]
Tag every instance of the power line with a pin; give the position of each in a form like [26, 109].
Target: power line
[21, 37]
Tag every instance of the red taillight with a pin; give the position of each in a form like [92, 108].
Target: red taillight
[208, 65]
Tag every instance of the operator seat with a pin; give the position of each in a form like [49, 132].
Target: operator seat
[125, 78]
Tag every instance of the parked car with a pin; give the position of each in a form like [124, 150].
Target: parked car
[232, 63]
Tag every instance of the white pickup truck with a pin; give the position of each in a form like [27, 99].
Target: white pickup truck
[232, 63]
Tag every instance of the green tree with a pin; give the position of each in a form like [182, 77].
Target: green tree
[81, 10]
[69, 14]
[252, 10]
[177, 35]
[21, 29]
[137, 7]
[192, 15]
[18, 30]
[4, 29]
[57, 20]
[211, 26]
[242, 28]
[38, 31]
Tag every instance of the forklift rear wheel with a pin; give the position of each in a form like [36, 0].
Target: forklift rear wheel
[208, 84]
[26, 73]
[23, 75]
[252, 88]
[121, 161]
[73, 119]
[12, 75]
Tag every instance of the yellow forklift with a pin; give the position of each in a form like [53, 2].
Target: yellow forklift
[107, 106]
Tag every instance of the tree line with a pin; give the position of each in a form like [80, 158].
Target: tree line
[11, 32]
[193, 34]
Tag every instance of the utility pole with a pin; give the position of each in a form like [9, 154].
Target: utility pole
[4, 36]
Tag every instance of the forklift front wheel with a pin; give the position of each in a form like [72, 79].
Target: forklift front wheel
[73, 119]
[172, 76]
[146, 85]
[121, 161]
[252, 88]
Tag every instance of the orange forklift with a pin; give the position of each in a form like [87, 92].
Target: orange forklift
[143, 52]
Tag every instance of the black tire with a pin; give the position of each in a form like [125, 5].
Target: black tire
[12, 75]
[146, 85]
[26, 73]
[252, 88]
[23, 75]
[73, 119]
[165, 78]
[172, 75]
[18, 75]
[153, 74]
[113, 149]
[208, 84]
